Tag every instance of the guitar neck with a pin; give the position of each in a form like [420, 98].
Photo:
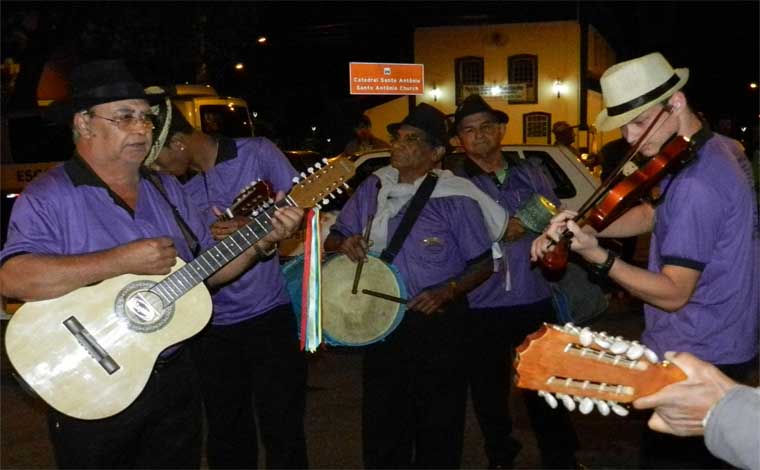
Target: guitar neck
[216, 257]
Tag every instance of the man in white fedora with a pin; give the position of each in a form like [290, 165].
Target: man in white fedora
[700, 289]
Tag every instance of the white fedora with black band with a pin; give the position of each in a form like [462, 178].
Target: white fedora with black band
[630, 88]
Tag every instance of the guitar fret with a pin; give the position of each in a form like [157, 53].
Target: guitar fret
[233, 253]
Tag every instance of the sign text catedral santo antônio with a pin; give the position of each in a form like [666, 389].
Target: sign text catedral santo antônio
[386, 79]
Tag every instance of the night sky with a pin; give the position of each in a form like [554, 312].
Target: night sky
[299, 77]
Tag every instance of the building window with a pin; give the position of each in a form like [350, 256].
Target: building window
[536, 128]
[522, 71]
[469, 76]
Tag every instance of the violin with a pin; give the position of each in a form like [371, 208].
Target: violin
[615, 196]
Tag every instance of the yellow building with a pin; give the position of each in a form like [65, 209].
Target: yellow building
[533, 71]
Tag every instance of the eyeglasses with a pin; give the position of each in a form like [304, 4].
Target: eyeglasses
[485, 128]
[131, 121]
[408, 139]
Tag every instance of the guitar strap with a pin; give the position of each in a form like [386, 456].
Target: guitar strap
[418, 201]
[190, 238]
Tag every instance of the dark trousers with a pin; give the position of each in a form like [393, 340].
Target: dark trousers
[257, 360]
[414, 393]
[667, 451]
[495, 333]
[161, 429]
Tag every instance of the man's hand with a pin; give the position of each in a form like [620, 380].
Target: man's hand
[680, 408]
[355, 248]
[221, 229]
[285, 223]
[148, 256]
[584, 241]
[431, 301]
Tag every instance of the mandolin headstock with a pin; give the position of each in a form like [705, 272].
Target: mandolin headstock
[577, 364]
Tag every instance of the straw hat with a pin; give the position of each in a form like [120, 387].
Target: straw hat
[630, 88]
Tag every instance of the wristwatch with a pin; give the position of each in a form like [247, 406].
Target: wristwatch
[603, 269]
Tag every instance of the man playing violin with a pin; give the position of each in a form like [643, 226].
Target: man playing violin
[700, 288]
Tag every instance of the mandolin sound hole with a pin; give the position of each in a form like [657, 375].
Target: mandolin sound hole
[143, 310]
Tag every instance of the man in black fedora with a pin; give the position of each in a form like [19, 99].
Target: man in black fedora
[700, 287]
[514, 301]
[414, 389]
[96, 217]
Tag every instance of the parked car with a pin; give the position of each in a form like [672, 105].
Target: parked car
[572, 182]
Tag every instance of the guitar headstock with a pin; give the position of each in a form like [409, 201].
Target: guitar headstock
[312, 189]
[571, 362]
[250, 199]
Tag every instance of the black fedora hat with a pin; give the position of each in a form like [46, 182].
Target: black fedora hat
[427, 118]
[476, 104]
[98, 82]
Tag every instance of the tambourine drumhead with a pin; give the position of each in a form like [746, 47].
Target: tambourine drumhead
[353, 319]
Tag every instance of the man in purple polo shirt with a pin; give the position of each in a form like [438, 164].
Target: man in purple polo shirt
[700, 288]
[251, 347]
[99, 216]
[414, 388]
[514, 301]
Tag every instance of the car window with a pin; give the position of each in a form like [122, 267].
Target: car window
[228, 121]
[561, 184]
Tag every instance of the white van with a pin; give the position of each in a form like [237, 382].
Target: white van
[204, 109]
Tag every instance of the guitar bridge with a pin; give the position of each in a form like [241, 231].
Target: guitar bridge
[89, 343]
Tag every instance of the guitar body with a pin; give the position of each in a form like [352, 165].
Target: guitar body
[96, 365]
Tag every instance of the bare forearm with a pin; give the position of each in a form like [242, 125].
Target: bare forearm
[235, 268]
[636, 221]
[39, 277]
[475, 274]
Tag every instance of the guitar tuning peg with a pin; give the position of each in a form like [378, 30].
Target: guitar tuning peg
[567, 400]
[603, 407]
[325, 201]
[601, 340]
[346, 185]
[550, 400]
[586, 405]
[310, 170]
[617, 408]
[318, 206]
[318, 165]
[332, 196]
[303, 175]
[295, 179]
[325, 161]
[338, 190]
[586, 337]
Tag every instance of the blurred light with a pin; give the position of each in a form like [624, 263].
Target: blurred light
[329, 140]
[314, 128]
[744, 128]
[435, 92]
[559, 87]
[239, 66]
[753, 85]
[495, 90]
[261, 39]
[11, 195]
[254, 114]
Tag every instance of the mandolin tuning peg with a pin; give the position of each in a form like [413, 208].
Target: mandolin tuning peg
[325, 201]
[619, 346]
[550, 400]
[332, 196]
[338, 190]
[325, 161]
[617, 408]
[567, 401]
[586, 337]
[603, 407]
[310, 170]
[634, 351]
[346, 185]
[586, 405]
[303, 175]
[295, 179]
[651, 355]
[318, 165]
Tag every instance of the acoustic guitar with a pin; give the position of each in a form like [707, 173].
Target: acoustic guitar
[556, 361]
[89, 353]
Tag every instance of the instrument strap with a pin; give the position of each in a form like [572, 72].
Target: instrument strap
[418, 201]
[190, 238]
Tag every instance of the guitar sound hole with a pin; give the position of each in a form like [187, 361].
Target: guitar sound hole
[141, 308]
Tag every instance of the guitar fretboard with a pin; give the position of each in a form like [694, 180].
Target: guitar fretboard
[215, 258]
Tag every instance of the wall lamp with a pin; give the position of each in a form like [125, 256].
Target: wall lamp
[559, 87]
[435, 92]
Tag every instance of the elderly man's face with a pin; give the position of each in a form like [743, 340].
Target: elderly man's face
[411, 152]
[119, 130]
[480, 133]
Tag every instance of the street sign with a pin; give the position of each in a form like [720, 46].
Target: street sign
[386, 79]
